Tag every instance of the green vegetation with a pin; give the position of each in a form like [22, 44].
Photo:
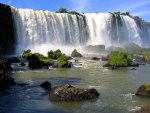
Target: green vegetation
[147, 86]
[62, 10]
[75, 53]
[63, 60]
[55, 58]
[54, 54]
[26, 53]
[37, 60]
[147, 56]
[119, 58]
[136, 18]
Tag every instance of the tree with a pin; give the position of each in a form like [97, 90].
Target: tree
[62, 10]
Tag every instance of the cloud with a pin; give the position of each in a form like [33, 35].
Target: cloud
[9, 2]
[143, 13]
[136, 6]
[79, 5]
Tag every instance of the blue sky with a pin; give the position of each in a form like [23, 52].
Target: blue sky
[135, 7]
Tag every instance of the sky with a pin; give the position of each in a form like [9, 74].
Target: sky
[135, 7]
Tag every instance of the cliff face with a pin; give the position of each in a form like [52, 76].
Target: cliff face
[7, 40]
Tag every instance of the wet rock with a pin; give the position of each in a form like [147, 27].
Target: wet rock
[22, 64]
[133, 69]
[95, 58]
[21, 84]
[104, 58]
[6, 81]
[46, 85]
[15, 60]
[106, 65]
[144, 90]
[70, 93]
[133, 64]
[144, 110]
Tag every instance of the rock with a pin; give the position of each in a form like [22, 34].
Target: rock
[106, 65]
[104, 58]
[70, 93]
[21, 84]
[144, 110]
[75, 53]
[22, 64]
[15, 60]
[95, 58]
[7, 39]
[5, 67]
[133, 69]
[133, 64]
[46, 85]
[6, 81]
[144, 90]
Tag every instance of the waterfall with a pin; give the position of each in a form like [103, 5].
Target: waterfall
[43, 30]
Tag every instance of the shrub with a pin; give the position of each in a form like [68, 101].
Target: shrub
[62, 10]
[74, 13]
[119, 58]
[54, 54]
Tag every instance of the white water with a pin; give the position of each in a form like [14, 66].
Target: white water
[42, 31]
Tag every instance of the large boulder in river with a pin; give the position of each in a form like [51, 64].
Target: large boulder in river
[144, 110]
[70, 93]
[6, 81]
[144, 90]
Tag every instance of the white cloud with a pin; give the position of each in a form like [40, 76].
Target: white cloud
[142, 13]
[9, 2]
[136, 6]
[79, 5]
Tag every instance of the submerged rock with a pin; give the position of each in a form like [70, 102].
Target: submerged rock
[70, 93]
[95, 58]
[144, 110]
[46, 85]
[144, 90]
[6, 81]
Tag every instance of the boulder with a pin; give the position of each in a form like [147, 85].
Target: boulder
[144, 90]
[6, 81]
[144, 110]
[133, 64]
[15, 60]
[5, 66]
[46, 85]
[95, 58]
[70, 93]
[75, 53]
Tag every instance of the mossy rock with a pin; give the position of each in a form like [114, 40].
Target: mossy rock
[26, 54]
[63, 62]
[75, 53]
[5, 66]
[54, 54]
[37, 60]
[144, 90]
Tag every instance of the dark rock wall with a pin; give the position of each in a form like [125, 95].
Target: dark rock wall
[7, 40]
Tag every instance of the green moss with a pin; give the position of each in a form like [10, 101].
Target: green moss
[75, 53]
[119, 58]
[147, 56]
[54, 54]
[37, 60]
[147, 86]
[63, 60]
[26, 53]
[74, 13]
